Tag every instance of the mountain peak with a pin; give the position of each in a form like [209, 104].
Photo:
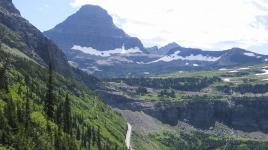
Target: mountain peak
[89, 19]
[236, 50]
[170, 46]
[91, 7]
[91, 26]
[90, 11]
[173, 44]
[167, 48]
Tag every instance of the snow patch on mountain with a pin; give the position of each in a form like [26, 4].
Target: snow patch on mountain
[73, 64]
[176, 56]
[140, 63]
[265, 72]
[146, 73]
[223, 69]
[250, 54]
[108, 53]
[226, 79]
[246, 68]
[234, 71]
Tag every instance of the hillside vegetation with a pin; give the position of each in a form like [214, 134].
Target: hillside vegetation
[40, 109]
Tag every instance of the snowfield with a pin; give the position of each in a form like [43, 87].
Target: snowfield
[250, 54]
[246, 68]
[261, 74]
[233, 71]
[224, 69]
[227, 80]
[92, 51]
[176, 56]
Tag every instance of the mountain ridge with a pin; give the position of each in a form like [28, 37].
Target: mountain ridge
[103, 49]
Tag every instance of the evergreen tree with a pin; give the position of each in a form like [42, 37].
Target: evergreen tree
[78, 133]
[20, 113]
[84, 138]
[93, 136]
[2, 34]
[11, 114]
[89, 136]
[3, 127]
[57, 138]
[49, 102]
[67, 115]
[27, 111]
[3, 76]
[59, 114]
[99, 139]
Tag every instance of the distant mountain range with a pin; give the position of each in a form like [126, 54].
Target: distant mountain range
[93, 43]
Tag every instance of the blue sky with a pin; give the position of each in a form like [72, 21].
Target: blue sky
[45, 14]
[207, 24]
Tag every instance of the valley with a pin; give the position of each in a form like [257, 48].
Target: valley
[174, 97]
[86, 84]
[193, 103]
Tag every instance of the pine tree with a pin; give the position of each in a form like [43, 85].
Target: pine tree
[2, 34]
[3, 127]
[99, 139]
[49, 102]
[89, 136]
[3, 76]
[67, 115]
[78, 133]
[20, 114]
[10, 111]
[27, 111]
[57, 138]
[84, 138]
[59, 114]
[93, 136]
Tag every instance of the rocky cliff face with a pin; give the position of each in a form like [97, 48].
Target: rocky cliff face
[8, 6]
[245, 115]
[240, 115]
[91, 26]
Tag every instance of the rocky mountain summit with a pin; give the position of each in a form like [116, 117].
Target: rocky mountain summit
[91, 26]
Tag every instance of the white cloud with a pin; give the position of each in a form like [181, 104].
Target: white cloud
[209, 24]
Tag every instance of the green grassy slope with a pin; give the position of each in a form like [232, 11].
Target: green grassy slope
[94, 125]
[166, 140]
[199, 141]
